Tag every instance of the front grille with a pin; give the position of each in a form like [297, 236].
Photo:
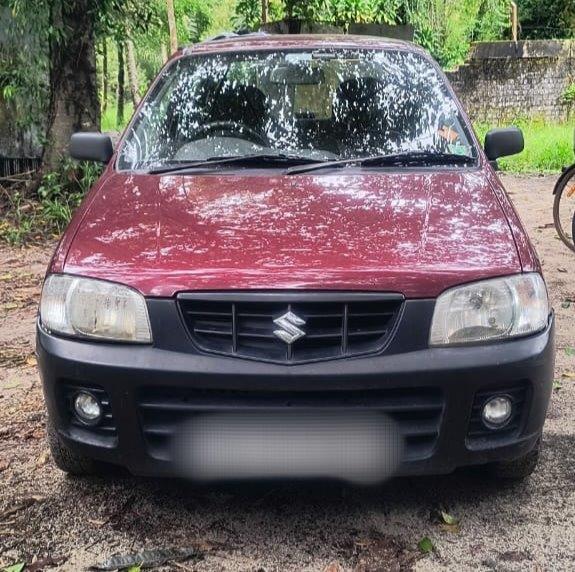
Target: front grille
[333, 326]
[106, 427]
[480, 436]
[417, 411]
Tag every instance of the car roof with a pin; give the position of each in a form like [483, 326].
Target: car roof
[265, 42]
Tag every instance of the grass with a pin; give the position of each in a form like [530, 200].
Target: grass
[548, 147]
[109, 119]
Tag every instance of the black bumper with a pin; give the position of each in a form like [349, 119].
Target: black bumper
[434, 394]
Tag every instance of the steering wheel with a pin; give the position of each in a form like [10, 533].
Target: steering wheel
[231, 127]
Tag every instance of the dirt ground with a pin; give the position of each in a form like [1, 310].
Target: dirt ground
[73, 523]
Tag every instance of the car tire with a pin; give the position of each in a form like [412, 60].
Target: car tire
[69, 461]
[518, 469]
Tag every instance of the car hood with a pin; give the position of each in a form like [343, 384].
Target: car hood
[417, 233]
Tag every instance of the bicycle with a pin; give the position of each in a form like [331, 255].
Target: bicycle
[564, 210]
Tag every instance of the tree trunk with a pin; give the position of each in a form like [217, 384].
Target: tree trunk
[105, 82]
[121, 86]
[133, 73]
[73, 104]
[172, 26]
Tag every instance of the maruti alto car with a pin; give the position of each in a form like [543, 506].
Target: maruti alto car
[298, 262]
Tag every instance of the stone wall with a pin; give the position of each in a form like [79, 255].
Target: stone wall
[502, 81]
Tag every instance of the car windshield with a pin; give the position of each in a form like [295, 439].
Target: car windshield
[318, 105]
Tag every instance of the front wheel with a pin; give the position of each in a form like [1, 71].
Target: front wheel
[564, 207]
[68, 460]
[518, 469]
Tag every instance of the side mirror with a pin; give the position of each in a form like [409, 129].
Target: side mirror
[502, 142]
[91, 147]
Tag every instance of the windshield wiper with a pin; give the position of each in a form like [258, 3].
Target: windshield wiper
[255, 159]
[416, 158]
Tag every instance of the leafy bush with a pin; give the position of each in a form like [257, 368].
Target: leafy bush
[568, 96]
[33, 219]
[547, 18]
[444, 27]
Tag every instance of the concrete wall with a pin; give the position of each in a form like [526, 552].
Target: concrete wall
[502, 81]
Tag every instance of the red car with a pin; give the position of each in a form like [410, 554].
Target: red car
[298, 262]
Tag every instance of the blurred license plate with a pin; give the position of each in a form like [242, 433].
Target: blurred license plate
[363, 447]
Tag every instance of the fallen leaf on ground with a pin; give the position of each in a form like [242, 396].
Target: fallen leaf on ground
[378, 548]
[23, 504]
[97, 522]
[557, 384]
[43, 458]
[568, 375]
[425, 545]
[448, 519]
[42, 564]
[15, 567]
[570, 351]
[147, 558]
[561, 269]
[450, 523]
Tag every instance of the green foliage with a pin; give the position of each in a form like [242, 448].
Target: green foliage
[15, 567]
[548, 147]
[110, 117]
[60, 193]
[444, 27]
[425, 545]
[547, 18]
[568, 95]
[339, 12]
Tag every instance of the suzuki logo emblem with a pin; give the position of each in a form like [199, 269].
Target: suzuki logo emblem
[289, 331]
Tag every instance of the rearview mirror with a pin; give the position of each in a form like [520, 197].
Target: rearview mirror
[297, 74]
[503, 141]
[91, 147]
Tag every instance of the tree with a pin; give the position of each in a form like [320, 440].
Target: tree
[133, 72]
[547, 18]
[121, 96]
[444, 27]
[74, 104]
[68, 31]
[172, 26]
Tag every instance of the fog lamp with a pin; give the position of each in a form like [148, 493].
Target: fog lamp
[497, 411]
[87, 408]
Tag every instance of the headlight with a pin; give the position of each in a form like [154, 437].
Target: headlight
[94, 309]
[490, 310]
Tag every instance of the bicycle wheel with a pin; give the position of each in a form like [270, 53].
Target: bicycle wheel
[564, 207]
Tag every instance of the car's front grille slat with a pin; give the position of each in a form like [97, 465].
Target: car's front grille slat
[331, 329]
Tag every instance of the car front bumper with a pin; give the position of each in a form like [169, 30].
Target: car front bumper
[434, 394]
